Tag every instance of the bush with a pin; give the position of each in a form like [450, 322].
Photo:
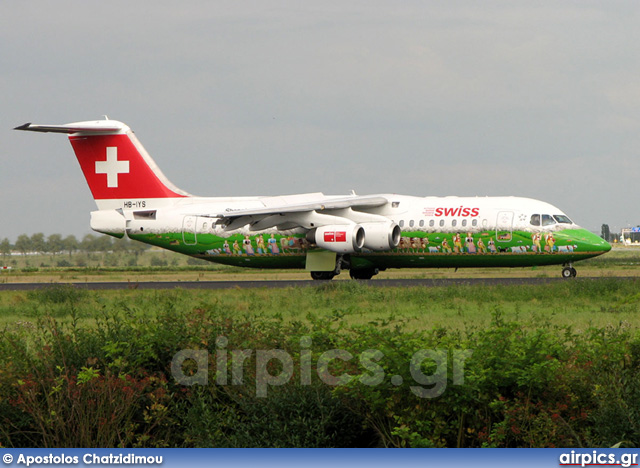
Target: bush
[86, 409]
[111, 260]
[158, 261]
[111, 381]
[58, 294]
[197, 262]
[291, 416]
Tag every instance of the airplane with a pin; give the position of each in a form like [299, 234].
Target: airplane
[320, 233]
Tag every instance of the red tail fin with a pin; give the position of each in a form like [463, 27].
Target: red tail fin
[118, 169]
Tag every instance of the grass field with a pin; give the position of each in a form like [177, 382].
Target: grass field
[601, 302]
[161, 265]
[547, 365]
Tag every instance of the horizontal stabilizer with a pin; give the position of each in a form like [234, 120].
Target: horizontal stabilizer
[99, 126]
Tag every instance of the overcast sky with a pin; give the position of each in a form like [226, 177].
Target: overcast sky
[534, 99]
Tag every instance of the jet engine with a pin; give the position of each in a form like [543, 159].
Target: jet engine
[343, 238]
[381, 236]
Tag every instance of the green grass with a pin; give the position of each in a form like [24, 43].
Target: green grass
[580, 304]
[553, 364]
[164, 265]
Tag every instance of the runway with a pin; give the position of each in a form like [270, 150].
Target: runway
[280, 284]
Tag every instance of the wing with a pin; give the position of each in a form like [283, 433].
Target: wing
[304, 215]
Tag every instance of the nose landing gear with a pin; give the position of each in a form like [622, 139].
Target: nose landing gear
[569, 272]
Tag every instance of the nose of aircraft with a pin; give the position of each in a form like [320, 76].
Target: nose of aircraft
[593, 243]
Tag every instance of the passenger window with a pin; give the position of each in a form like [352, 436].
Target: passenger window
[432, 223]
[422, 223]
[464, 222]
[204, 226]
[535, 220]
[411, 223]
[474, 222]
[547, 220]
[401, 223]
[441, 222]
[484, 223]
[454, 222]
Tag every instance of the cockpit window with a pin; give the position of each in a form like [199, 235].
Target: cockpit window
[562, 219]
[535, 220]
[547, 220]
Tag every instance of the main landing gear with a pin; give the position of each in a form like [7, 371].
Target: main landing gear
[363, 273]
[329, 275]
[569, 272]
[323, 275]
[344, 261]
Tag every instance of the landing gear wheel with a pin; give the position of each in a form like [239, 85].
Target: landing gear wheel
[363, 274]
[569, 272]
[322, 275]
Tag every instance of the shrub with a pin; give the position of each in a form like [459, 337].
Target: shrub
[197, 261]
[58, 294]
[110, 379]
[158, 261]
[89, 409]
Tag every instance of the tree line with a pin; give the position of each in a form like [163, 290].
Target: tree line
[56, 244]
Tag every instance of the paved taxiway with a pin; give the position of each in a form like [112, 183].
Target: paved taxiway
[123, 285]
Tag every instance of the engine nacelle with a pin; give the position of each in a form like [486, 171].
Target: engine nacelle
[381, 236]
[344, 238]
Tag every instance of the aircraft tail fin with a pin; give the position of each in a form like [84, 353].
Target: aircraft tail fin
[119, 171]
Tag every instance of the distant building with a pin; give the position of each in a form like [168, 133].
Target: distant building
[630, 236]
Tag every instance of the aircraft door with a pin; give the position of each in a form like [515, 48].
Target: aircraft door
[189, 225]
[504, 226]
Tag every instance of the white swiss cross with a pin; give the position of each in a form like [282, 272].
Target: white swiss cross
[112, 167]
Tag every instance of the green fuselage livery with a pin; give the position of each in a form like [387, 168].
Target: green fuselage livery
[323, 234]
